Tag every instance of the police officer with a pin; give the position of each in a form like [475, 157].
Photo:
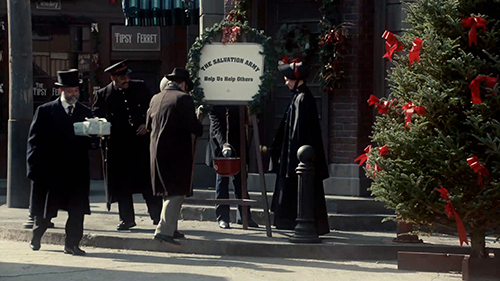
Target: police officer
[124, 103]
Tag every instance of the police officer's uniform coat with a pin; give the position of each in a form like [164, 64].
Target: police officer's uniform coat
[127, 168]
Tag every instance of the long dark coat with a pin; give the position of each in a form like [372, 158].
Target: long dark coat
[127, 159]
[172, 121]
[217, 133]
[300, 126]
[58, 161]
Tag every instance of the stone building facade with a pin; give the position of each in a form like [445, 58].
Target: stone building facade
[345, 115]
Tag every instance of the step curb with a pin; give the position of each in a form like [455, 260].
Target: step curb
[230, 248]
[344, 222]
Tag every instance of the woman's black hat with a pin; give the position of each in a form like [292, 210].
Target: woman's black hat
[183, 75]
[119, 68]
[294, 70]
[68, 78]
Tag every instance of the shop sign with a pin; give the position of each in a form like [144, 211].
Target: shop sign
[135, 38]
[84, 61]
[43, 89]
[230, 73]
[48, 5]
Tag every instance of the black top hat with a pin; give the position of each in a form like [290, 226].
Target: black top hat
[294, 70]
[119, 68]
[68, 78]
[181, 74]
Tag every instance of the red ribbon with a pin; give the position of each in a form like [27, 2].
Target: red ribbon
[384, 150]
[450, 210]
[363, 157]
[383, 106]
[391, 44]
[415, 50]
[286, 60]
[476, 84]
[409, 109]
[473, 23]
[478, 168]
[230, 34]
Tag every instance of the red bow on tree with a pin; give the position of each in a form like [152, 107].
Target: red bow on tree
[230, 34]
[474, 23]
[391, 44]
[384, 150]
[383, 106]
[410, 109]
[478, 168]
[415, 50]
[375, 170]
[476, 84]
[363, 157]
[450, 210]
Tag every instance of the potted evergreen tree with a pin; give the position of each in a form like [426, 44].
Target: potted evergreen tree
[437, 158]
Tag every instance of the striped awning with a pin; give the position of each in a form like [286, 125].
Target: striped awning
[161, 12]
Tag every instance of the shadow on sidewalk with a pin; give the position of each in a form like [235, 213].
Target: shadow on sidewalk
[47, 272]
[245, 262]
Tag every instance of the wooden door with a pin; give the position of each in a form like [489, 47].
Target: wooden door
[302, 12]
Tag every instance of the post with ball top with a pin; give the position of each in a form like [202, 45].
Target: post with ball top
[305, 231]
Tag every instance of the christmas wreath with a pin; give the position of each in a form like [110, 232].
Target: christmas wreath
[251, 35]
[330, 44]
[293, 42]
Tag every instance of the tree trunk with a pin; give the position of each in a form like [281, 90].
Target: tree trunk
[478, 246]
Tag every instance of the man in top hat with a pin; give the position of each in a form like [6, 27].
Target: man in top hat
[58, 163]
[124, 103]
[172, 121]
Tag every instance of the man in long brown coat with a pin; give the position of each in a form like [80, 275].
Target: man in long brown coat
[172, 120]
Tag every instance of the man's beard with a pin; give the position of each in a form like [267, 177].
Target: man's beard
[71, 100]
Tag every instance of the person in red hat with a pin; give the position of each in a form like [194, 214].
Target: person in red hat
[58, 163]
[124, 103]
[300, 126]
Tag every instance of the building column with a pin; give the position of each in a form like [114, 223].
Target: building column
[211, 12]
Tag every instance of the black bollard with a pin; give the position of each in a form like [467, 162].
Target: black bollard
[305, 231]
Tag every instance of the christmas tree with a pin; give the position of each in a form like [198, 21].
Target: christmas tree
[437, 159]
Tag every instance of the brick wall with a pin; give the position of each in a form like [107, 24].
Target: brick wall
[350, 117]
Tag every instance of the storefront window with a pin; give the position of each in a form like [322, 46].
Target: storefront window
[57, 47]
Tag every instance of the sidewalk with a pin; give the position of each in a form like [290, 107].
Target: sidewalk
[207, 238]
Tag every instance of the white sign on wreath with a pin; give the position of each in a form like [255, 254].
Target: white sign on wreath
[230, 73]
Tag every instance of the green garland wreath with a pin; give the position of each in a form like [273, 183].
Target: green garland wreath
[331, 44]
[252, 35]
[293, 41]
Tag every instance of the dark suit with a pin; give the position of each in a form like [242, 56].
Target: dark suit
[127, 166]
[217, 137]
[172, 120]
[58, 165]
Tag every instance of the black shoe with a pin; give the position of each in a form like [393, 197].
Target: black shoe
[75, 251]
[251, 223]
[224, 225]
[35, 244]
[166, 239]
[125, 225]
[178, 235]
